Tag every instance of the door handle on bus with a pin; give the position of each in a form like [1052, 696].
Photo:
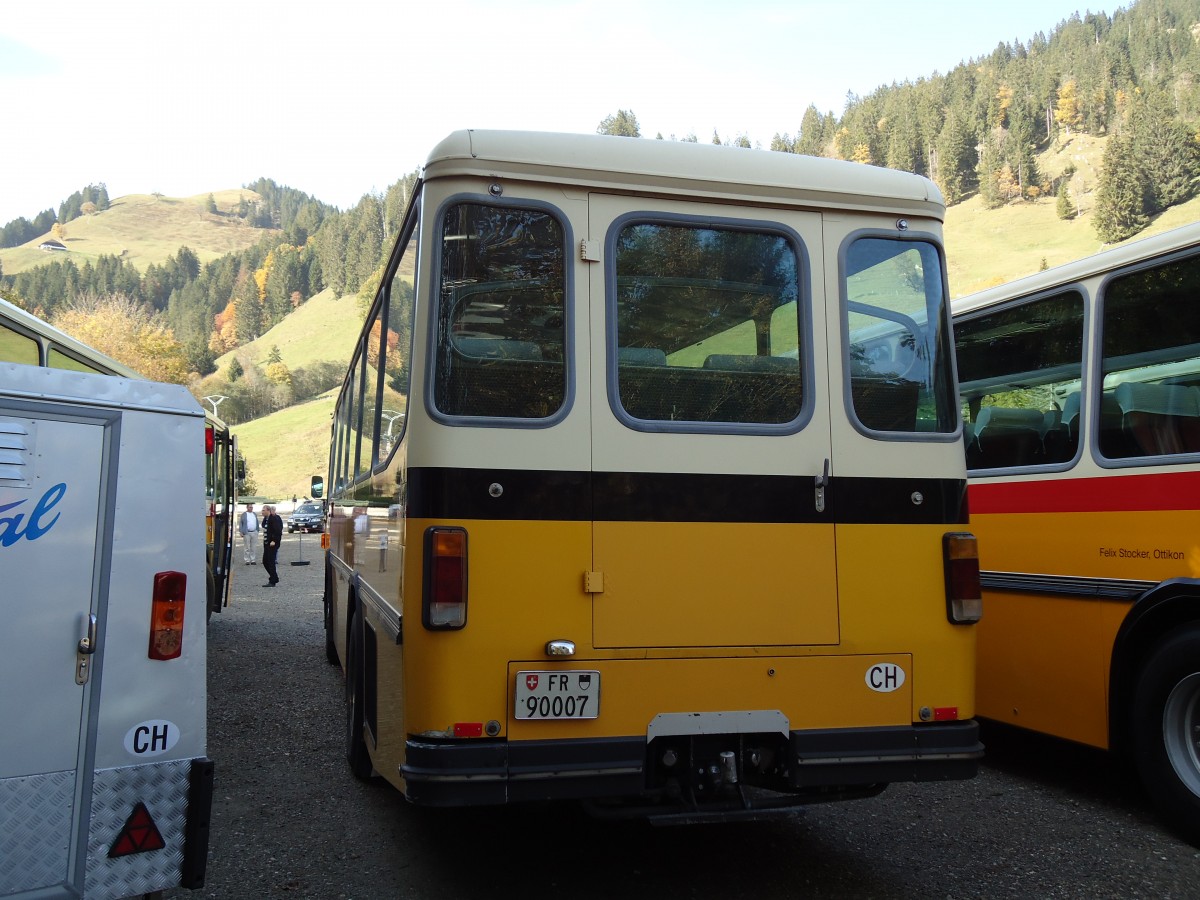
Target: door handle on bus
[820, 482]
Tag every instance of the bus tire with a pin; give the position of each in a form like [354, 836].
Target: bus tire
[1166, 712]
[210, 592]
[331, 655]
[356, 745]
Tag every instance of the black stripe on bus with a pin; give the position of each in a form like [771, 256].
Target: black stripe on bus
[1080, 586]
[511, 494]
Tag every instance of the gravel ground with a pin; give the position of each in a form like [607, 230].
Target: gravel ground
[1044, 819]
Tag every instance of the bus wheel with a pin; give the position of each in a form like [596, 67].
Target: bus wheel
[330, 646]
[356, 747]
[1166, 723]
[211, 593]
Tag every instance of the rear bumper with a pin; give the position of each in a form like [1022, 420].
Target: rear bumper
[483, 772]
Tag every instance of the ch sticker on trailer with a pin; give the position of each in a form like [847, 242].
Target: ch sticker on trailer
[152, 738]
[884, 677]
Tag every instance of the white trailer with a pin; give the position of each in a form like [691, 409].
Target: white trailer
[105, 787]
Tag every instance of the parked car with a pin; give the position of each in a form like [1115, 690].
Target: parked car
[308, 516]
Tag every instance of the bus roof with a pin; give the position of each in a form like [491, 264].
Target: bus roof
[1087, 267]
[674, 168]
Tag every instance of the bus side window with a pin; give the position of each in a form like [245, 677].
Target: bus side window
[1151, 366]
[16, 347]
[397, 349]
[502, 316]
[707, 325]
[1020, 372]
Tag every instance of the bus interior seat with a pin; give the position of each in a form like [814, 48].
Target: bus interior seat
[1006, 437]
[727, 388]
[885, 404]
[1160, 418]
[728, 362]
[489, 348]
[1058, 443]
[641, 356]
[510, 379]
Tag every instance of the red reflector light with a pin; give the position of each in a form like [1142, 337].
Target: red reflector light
[445, 590]
[139, 835]
[945, 713]
[468, 729]
[166, 615]
[210, 440]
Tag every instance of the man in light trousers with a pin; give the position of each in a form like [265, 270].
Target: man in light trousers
[248, 529]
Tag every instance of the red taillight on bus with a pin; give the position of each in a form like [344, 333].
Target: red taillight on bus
[964, 597]
[210, 440]
[445, 595]
[166, 615]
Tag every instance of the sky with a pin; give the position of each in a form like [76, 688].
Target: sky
[341, 99]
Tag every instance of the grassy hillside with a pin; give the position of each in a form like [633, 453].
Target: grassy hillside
[987, 247]
[146, 229]
[283, 450]
[322, 328]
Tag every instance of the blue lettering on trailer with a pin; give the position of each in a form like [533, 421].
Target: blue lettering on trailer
[11, 529]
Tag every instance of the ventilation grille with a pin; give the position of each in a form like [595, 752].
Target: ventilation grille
[16, 452]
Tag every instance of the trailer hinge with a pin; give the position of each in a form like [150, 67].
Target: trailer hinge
[589, 251]
[593, 582]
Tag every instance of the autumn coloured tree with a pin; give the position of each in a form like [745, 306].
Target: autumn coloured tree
[120, 327]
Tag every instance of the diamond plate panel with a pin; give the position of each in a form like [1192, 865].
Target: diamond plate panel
[35, 830]
[163, 787]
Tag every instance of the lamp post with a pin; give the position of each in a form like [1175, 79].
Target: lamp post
[215, 400]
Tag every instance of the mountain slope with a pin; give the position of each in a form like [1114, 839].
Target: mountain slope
[145, 229]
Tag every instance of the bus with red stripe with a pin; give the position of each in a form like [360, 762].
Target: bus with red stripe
[1080, 391]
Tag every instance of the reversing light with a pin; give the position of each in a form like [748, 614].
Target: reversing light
[964, 597]
[445, 591]
[166, 615]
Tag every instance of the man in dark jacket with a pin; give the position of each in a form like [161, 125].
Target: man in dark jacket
[272, 535]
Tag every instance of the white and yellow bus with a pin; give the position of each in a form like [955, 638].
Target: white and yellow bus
[1081, 387]
[646, 484]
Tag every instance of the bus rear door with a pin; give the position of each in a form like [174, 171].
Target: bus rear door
[710, 430]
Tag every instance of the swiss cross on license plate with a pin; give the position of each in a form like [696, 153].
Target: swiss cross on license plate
[560, 694]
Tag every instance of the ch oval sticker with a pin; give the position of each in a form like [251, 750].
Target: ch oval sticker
[885, 677]
[152, 738]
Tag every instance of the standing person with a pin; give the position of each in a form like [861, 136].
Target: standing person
[272, 536]
[248, 529]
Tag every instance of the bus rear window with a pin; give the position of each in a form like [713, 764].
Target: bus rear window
[898, 347]
[707, 325]
[501, 327]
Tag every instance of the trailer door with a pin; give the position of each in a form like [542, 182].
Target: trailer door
[50, 569]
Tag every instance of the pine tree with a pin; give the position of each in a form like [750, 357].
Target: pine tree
[1121, 195]
[811, 139]
[622, 124]
[1063, 207]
